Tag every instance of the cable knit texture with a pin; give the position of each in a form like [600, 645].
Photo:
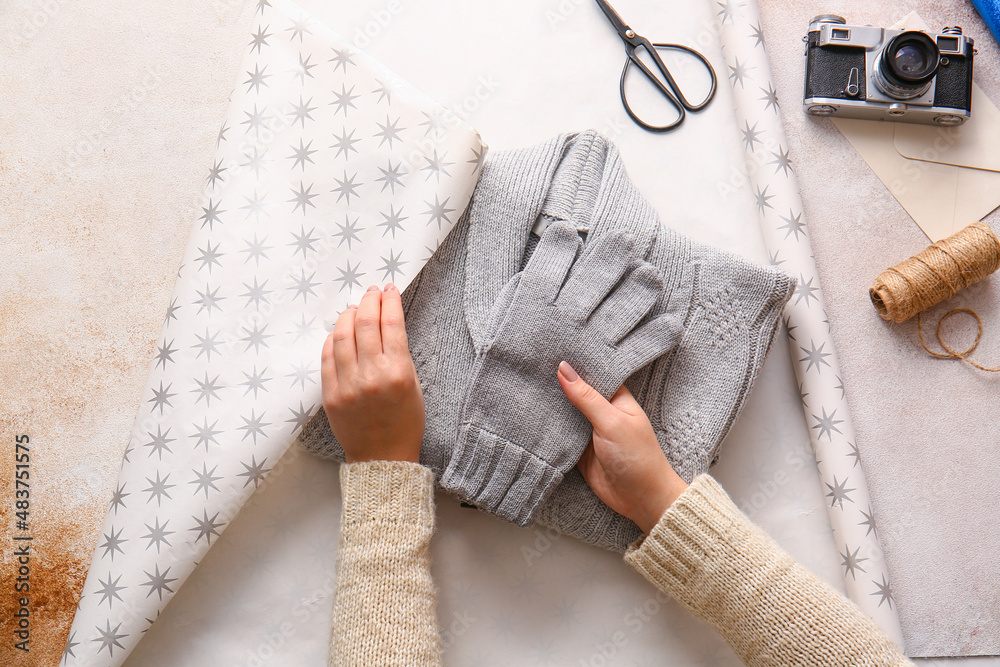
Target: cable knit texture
[384, 612]
[729, 308]
[773, 612]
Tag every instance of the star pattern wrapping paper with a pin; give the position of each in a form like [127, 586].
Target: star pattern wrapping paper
[330, 174]
[821, 391]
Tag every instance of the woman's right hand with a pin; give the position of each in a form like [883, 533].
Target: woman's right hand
[623, 463]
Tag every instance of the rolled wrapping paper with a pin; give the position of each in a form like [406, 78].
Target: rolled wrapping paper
[941, 271]
[779, 208]
[330, 175]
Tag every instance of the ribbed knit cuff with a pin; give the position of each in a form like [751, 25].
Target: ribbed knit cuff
[498, 476]
[387, 492]
[576, 511]
[685, 538]
[772, 611]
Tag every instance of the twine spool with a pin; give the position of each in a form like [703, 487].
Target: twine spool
[941, 271]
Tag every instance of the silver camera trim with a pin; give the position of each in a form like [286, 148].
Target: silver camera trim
[899, 111]
[877, 105]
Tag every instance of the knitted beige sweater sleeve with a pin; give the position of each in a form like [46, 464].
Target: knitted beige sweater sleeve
[384, 611]
[773, 612]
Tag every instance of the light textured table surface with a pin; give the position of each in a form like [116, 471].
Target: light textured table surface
[111, 113]
[927, 428]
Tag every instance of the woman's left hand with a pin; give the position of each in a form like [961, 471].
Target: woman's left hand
[371, 393]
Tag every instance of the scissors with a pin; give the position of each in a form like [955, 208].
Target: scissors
[667, 86]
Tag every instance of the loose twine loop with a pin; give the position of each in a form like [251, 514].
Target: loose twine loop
[939, 272]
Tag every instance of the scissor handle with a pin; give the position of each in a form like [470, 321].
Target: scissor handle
[670, 90]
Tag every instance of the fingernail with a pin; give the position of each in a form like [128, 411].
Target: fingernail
[389, 287]
[568, 372]
[373, 288]
[354, 306]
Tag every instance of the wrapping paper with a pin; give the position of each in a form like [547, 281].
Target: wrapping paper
[330, 175]
[821, 391]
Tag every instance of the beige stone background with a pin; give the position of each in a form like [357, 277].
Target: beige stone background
[109, 115]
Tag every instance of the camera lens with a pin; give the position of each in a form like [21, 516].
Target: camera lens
[909, 60]
[912, 57]
[907, 64]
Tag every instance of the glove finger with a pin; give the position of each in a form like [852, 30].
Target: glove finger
[651, 340]
[630, 301]
[546, 270]
[596, 273]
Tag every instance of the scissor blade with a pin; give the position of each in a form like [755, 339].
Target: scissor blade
[615, 19]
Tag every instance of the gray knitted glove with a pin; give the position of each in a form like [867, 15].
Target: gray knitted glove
[518, 434]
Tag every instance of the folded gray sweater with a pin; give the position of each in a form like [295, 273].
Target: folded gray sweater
[729, 307]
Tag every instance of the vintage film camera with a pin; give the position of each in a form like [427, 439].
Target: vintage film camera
[910, 76]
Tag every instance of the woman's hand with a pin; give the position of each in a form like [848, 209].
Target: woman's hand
[623, 463]
[371, 393]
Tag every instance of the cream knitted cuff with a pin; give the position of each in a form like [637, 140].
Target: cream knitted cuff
[387, 492]
[718, 564]
[384, 610]
[687, 535]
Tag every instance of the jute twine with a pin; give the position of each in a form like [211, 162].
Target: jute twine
[938, 273]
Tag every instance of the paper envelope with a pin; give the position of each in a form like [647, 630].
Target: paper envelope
[945, 178]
